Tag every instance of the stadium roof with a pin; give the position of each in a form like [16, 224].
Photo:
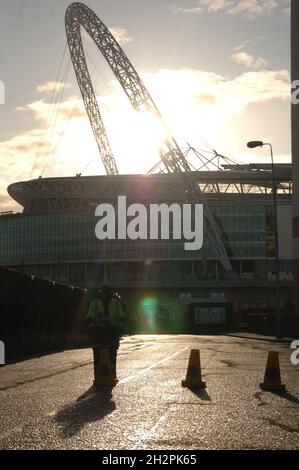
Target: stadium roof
[240, 179]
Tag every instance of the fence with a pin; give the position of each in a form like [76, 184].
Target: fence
[37, 315]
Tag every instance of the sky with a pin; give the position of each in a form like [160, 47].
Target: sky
[218, 70]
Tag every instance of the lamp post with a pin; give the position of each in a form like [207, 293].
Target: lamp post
[252, 145]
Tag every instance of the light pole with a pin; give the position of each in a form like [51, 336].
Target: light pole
[252, 145]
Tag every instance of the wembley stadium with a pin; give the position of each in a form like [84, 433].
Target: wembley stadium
[54, 237]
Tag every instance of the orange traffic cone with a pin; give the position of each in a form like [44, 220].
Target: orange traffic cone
[272, 380]
[104, 375]
[193, 377]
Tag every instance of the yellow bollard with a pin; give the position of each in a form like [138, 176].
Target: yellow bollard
[272, 379]
[193, 377]
[104, 375]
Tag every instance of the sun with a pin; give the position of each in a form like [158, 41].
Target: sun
[136, 138]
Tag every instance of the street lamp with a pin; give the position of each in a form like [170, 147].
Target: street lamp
[252, 145]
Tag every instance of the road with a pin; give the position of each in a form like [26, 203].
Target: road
[42, 405]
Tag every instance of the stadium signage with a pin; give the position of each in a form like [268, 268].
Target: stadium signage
[138, 222]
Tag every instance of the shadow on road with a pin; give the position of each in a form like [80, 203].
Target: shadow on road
[288, 396]
[201, 393]
[92, 406]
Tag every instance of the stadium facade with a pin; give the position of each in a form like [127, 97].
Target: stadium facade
[54, 237]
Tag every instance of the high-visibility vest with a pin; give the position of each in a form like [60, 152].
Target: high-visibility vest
[96, 315]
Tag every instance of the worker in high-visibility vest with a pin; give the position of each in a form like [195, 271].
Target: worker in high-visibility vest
[105, 319]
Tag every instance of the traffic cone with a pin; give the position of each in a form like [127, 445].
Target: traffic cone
[193, 377]
[272, 379]
[104, 376]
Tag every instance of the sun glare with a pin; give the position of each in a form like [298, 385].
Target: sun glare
[135, 139]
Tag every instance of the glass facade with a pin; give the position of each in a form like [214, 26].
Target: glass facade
[70, 237]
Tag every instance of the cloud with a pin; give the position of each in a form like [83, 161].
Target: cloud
[187, 86]
[260, 86]
[248, 60]
[191, 101]
[17, 156]
[24, 145]
[287, 7]
[248, 8]
[120, 34]
[42, 146]
[187, 11]
[50, 87]
[71, 109]
[242, 46]
[201, 106]
[253, 8]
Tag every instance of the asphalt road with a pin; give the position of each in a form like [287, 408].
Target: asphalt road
[42, 405]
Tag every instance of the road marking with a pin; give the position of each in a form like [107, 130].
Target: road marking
[139, 346]
[144, 371]
[151, 432]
